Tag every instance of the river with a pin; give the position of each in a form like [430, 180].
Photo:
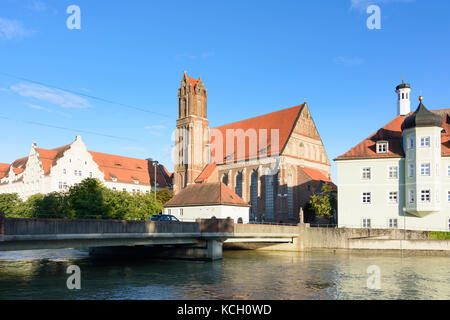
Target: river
[240, 275]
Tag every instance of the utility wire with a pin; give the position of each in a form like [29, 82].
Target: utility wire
[65, 128]
[85, 95]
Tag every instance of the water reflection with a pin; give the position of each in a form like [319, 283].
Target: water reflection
[241, 275]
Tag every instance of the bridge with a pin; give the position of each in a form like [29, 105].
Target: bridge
[202, 239]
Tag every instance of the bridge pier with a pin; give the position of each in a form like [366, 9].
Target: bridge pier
[208, 250]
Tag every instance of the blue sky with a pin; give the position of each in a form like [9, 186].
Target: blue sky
[254, 57]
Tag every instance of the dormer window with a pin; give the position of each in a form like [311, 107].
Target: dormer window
[136, 181]
[382, 147]
[114, 179]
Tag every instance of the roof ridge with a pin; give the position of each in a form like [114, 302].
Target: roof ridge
[262, 115]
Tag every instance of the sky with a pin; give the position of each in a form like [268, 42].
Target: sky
[114, 81]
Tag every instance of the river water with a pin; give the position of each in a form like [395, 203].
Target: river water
[240, 275]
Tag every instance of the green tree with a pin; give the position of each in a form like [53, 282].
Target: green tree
[28, 208]
[324, 202]
[86, 200]
[119, 202]
[53, 205]
[143, 206]
[9, 202]
[164, 195]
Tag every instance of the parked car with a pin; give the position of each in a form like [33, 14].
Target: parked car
[164, 217]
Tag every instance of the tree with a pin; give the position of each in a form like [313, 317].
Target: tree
[143, 206]
[86, 200]
[9, 202]
[324, 202]
[164, 195]
[53, 205]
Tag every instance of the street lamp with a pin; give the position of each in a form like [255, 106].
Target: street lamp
[155, 164]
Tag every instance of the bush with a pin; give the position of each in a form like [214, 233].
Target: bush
[9, 202]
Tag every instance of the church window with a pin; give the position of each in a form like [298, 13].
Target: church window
[269, 196]
[238, 188]
[254, 192]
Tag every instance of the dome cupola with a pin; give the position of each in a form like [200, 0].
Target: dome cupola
[422, 117]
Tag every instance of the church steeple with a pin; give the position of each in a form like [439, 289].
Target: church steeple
[192, 97]
[192, 132]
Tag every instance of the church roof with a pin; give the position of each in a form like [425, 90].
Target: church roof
[317, 175]
[206, 173]
[206, 194]
[283, 120]
[392, 132]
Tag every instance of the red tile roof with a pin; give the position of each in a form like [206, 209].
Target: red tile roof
[315, 174]
[127, 170]
[192, 81]
[392, 133]
[4, 169]
[124, 169]
[206, 194]
[282, 120]
[206, 173]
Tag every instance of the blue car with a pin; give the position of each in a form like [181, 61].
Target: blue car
[164, 217]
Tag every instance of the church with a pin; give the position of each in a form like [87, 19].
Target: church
[273, 162]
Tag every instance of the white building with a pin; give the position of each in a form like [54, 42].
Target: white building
[399, 177]
[207, 200]
[44, 171]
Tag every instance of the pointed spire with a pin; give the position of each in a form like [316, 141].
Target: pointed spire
[422, 117]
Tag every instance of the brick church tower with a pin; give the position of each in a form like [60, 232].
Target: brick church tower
[192, 152]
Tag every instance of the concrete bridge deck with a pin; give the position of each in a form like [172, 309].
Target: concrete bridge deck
[200, 239]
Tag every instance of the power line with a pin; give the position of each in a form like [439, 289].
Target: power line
[85, 95]
[65, 128]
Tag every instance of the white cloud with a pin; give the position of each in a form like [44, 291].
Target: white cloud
[348, 61]
[13, 29]
[37, 107]
[37, 5]
[55, 96]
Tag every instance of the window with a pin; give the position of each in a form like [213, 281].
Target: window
[448, 196]
[367, 197]
[393, 197]
[425, 169]
[425, 195]
[393, 172]
[90, 174]
[393, 223]
[411, 170]
[64, 171]
[114, 188]
[411, 143]
[366, 173]
[382, 147]
[65, 185]
[60, 185]
[114, 179]
[366, 223]
[181, 212]
[76, 172]
[425, 142]
[124, 189]
[448, 224]
[411, 196]
[448, 171]
[79, 173]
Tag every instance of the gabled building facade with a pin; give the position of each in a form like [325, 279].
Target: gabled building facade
[399, 177]
[269, 161]
[45, 171]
